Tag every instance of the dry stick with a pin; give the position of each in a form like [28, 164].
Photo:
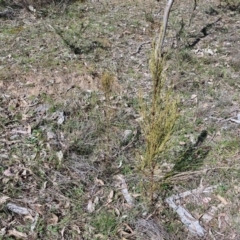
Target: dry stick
[140, 47]
[165, 22]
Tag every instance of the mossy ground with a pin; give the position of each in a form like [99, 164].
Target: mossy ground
[52, 63]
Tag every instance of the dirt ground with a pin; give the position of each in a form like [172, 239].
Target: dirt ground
[63, 142]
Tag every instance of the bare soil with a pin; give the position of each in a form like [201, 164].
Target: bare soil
[62, 141]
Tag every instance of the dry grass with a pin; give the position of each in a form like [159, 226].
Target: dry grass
[51, 66]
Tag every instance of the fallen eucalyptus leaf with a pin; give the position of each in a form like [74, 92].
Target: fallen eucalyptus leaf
[17, 234]
[123, 186]
[61, 118]
[31, 8]
[90, 206]
[59, 156]
[3, 199]
[53, 220]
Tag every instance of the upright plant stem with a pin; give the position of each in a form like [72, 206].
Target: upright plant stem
[164, 29]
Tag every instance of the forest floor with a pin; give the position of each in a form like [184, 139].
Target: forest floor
[66, 149]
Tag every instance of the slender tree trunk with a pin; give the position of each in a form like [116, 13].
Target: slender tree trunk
[165, 22]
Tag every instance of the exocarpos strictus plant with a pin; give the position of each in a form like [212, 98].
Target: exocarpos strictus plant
[159, 117]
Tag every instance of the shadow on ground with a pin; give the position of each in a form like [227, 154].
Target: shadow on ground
[192, 157]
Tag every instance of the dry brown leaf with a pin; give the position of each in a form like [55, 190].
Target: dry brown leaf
[62, 232]
[223, 200]
[128, 227]
[2, 231]
[221, 220]
[117, 211]
[26, 172]
[59, 156]
[29, 129]
[44, 186]
[76, 228]
[125, 234]
[121, 183]
[100, 192]
[110, 196]
[3, 199]
[17, 234]
[90, 206]
[31, 8]
[96, 200]
[67, 204]
[25, 116]
[193, 96]
[34, 222]
[37, 208]
[61, 118]
[53, 220]
[99, 182]
[206, 200]
[5, 180]
[135, 195]
[9, 173]
[205, 105]
[237, 188]
[99, 236]
[209, 215]
[28, 217]
[50, 135]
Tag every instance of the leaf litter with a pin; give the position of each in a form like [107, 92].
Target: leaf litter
[57, 170]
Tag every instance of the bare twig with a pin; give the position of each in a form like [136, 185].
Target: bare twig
[165, 22]
[187, 219]
[140, 47]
